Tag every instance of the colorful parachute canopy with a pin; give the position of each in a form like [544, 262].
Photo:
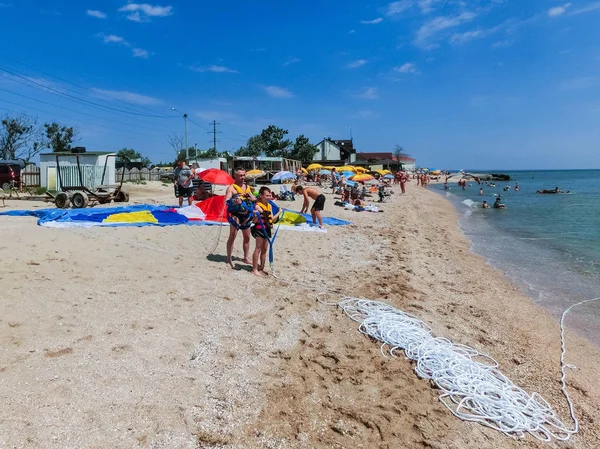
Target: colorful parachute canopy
[208, 212]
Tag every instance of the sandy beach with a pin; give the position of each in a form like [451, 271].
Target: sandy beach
[140, 337]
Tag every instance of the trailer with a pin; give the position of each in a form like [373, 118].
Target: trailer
[80, 196]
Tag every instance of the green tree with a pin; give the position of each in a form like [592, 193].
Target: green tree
[275, 143]
[303, 150]
[20, 137]
[129, 154]
[59, 137]
[254, 147]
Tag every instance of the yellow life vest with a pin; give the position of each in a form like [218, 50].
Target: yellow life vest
[240, 191]
[266, 215]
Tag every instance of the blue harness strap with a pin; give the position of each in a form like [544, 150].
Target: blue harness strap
[243, 212]
[272, 239]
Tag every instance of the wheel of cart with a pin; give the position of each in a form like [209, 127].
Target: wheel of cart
[121, 197]
[62, 200]
[79, 200]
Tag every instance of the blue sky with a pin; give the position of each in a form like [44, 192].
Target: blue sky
[496, 84]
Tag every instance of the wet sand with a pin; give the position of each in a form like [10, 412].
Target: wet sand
[138, 337]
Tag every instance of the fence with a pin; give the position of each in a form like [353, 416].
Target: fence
[91, 174]
[144, 174]
[30, 175]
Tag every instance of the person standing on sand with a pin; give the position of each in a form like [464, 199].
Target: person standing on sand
[182, 181]
[239, 188]
[318, 205]
[403, 179]
[262, 230]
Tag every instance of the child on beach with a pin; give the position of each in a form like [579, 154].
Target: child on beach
[261, 231]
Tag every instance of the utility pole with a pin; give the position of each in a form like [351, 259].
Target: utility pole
[187, 147]
[215, 132]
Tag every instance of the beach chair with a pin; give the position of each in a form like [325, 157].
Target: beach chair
[383, 195]
[286, 194]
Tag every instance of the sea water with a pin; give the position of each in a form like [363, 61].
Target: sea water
[548, 244]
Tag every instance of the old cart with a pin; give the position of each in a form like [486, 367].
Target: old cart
[80, 195]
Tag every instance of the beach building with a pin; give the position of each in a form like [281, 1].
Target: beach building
[335, 152]
[221, 163]
[96, 168]
[270, 165]
[408, 163]
[385, 160]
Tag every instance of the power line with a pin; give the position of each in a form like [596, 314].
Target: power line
[63, 94]
[127, 132]
[68, 109]
[75, 84]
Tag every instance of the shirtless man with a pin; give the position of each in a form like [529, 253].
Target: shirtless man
[317, 206]
[239, 188]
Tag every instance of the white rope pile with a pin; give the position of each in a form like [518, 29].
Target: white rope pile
[473, 389]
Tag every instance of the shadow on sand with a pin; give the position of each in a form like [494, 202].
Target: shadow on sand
[219, 258]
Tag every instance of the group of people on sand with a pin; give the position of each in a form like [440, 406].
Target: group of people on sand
[253, 216]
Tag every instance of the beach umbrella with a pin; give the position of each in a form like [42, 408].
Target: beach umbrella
[312, 167]
[346, 168]
[348, 174]
[350, 183]
[328, 167]
[362, 177]
[253, 174]
[216, 176]
[305, 171]
[283, 176]
[381, 172]
[324, 172]
[361, 169]
[388, 176]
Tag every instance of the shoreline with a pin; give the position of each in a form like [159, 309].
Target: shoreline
[131, 337]
[537, 286]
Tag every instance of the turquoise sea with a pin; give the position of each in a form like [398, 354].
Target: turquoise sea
[549, 245]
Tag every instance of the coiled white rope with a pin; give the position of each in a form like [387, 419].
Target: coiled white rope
[473, 388]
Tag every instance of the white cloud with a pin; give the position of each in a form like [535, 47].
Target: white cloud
[395, 8]
[461, 38]
[407, 67]
[372, 22]
[129, 97]
[351, 31]
[427, 5]
[558, 10]
[96, 14]
[502, 44]
[214, 69]
[277, 92]
[291, 61]
[113, 39]
[140, 53]
[434, 26]
[589, 8]
[357, 63]
[370, 93]
[142, 12]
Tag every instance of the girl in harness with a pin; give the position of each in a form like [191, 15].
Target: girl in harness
[262, 230]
